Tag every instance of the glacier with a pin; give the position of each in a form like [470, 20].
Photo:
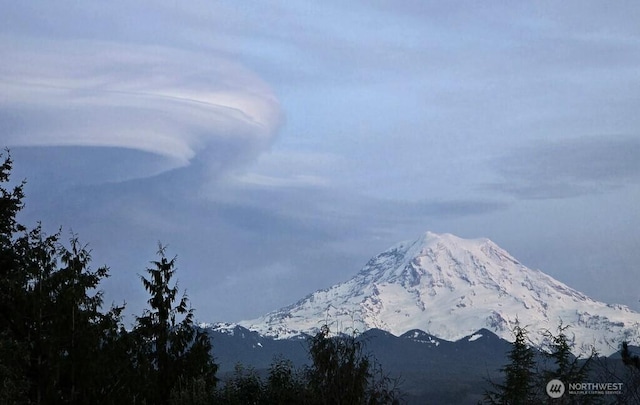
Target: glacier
[450, 288]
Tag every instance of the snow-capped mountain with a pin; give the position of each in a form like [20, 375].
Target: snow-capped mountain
[450, 288]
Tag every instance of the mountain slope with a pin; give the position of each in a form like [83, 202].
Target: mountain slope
[451, 287]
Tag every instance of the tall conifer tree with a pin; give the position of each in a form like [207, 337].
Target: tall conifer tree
[175, 350]
[14, 383]
[52, 333]
[566, 367]
[519, 387]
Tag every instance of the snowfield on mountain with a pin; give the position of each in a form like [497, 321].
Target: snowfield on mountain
[450, 288]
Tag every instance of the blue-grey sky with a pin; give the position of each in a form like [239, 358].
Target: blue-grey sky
[275, 146]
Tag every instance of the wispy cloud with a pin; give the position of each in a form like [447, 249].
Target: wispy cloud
[173, 103]
[570, 167]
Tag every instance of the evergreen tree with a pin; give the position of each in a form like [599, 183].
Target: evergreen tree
[64, 324]
[342, 373]
[14, 383]
[171, 349]
[56, 346]
[340, 370]
[78, 322]
[192, 391]
[629, 375]
[566, 367]
[284, 385]
[115, 378]
[519, 385]
[52, 334]
[243, 388]
[629, 359]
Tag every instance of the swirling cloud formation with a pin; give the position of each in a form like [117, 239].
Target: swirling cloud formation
[173, 103]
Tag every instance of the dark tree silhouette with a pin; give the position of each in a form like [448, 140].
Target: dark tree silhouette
[52, 333]
[171, 349]
[284, 385]
[632, 360]
[566, 367]
[342, 373]
[13, 345]
[340, 370]
[58, 347]
[519, 386]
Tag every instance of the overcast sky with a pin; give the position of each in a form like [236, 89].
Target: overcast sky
[276, 146]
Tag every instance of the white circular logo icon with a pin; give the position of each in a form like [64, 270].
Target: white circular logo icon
[555, 388]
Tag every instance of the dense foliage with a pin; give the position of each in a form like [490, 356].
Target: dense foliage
[529, 371]
[59, 346]
[341, 373]
[519, 386]
[170, 351]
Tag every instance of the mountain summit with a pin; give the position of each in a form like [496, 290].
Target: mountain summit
[451, 287]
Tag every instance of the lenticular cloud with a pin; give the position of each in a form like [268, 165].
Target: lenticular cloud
[167, 102]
